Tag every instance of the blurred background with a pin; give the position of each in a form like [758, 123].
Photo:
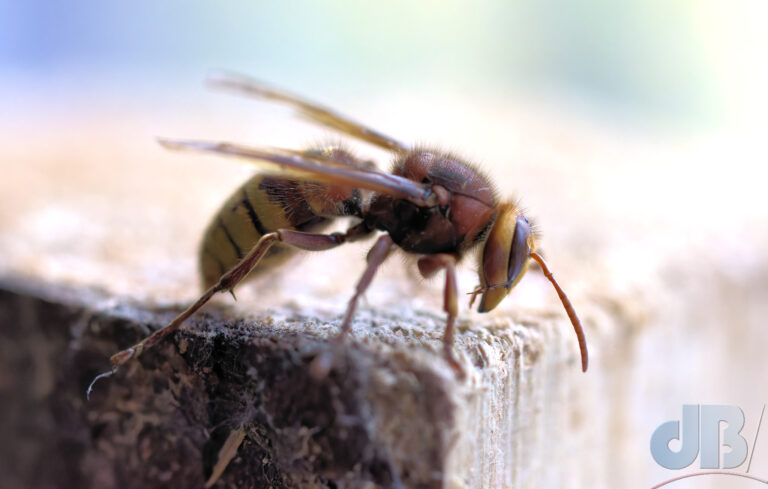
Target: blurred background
[635, 132]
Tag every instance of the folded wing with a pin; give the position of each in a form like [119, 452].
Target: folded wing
[310, 167]
[310, 110]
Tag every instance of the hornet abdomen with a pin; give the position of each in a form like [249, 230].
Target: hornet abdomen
[265, 204]
[261, 205]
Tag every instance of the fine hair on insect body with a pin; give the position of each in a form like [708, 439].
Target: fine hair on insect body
[432, 205]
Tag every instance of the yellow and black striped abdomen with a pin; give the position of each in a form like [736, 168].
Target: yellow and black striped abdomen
[262, 205]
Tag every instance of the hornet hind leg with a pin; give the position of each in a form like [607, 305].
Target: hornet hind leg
[304, 241]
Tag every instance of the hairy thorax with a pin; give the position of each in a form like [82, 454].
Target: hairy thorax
[463, 212]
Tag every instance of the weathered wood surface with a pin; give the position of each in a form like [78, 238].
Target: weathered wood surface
[390, 414]
[98, 232]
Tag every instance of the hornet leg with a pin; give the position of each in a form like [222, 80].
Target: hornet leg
[323, 363]
[429, 265]
[304, 241]
[376, 257]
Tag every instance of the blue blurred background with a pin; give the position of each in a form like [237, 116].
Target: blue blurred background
[680, 63]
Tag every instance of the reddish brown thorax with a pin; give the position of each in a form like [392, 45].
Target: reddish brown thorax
[464, 208]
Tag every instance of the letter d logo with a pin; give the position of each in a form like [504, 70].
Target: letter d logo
[669, 431]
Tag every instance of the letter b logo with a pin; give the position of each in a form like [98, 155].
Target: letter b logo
[701, 428]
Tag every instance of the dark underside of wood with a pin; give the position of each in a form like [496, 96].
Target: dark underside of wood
[162, 420]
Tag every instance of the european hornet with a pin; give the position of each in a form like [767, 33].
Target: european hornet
[431, 204]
